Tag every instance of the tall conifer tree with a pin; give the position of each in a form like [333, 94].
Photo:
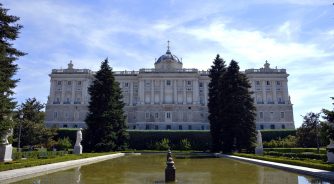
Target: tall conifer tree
[9, 31]
[236, 110]
[215, 73]
[106, 126]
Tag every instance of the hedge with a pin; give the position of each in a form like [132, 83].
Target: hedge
[199, 139]
[305, 163]
[140, 140]
[306, 155]
[268, 135]
[296, 150]
[37, 154]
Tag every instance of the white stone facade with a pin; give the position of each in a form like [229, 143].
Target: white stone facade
[166, 97]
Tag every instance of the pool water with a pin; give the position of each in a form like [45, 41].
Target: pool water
[149, 168]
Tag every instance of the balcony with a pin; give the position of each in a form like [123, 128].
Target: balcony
[260, 102]
[67, 102]
[56, 102]
[77, 102]
[281, 102]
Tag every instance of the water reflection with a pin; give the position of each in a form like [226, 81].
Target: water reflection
[150, 169]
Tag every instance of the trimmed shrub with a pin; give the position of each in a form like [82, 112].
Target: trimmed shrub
[71, 133]
[146, 139]
[296, 150]
[305, 155]
[268, 135]
[63, 144]
[185, 144]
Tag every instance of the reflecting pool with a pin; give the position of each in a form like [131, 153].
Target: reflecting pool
[149, 168]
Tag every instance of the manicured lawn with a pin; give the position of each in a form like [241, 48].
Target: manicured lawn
[35, 162]
[317, 164]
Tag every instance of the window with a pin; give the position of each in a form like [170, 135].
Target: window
[189, 108]
[202, 127]
[147, 115]
[156, 127]
[257, 83]
[188, 83]
[79, 83]
[261, 127]
[168, 115]
[156, 115]
[168, 83]
[147, 127]
[69, 82]
[283, 126]
[282, 115]
[59, 82]
[55, 115]
[190, 127]
[64, 125]
[168, 127]
[180, 127]
[201, 84]
[268, 83]
[75, 126]
[278, 83]
[261, 115]
[126, 84]
[134, 126]
[272, 126]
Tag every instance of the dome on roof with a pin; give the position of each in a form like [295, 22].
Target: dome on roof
[168, 57]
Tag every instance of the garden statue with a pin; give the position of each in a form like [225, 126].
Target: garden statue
[330, 151]
[259, 145]
[5, 147]
[78, 147]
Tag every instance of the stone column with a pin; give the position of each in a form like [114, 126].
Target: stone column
[184, 92]
[161, 91]
[141, 91]
[52, 91]
[285, 92]
[274, 92]
[131, 93]
[205, 93]
[62, 92]
[152, 91]
[73, 91]
[195, 91]
[84, 91]
[264, 95]
[175, 91]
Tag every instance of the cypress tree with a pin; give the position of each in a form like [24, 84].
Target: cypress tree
[106, 126]
[236, 110]
[215, 73]
[9, 31]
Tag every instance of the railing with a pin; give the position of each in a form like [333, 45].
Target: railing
[71, 71]
[126, 72]
[263, 70]
[152, 70]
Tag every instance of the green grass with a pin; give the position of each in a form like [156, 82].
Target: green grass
[35, 162]
[317, 164]
[296, 150]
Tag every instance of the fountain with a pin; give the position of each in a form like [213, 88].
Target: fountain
[170, 168]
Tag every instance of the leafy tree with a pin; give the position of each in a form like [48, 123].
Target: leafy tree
[106, 126]
[9, 31]
[308, 134]
[329, 116]
[217, 70]
[236, 110]
[33, 130]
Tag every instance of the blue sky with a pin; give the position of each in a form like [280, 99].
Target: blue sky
[294, 34]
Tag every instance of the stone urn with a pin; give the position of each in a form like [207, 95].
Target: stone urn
[330, 151]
